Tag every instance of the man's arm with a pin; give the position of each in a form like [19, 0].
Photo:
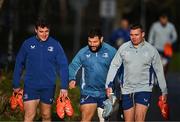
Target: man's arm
[74, 66]
[63, 70]
[20, 62]
[158, 68]
[115, 64]
[151, 35]
[173, 34]
[62, 67]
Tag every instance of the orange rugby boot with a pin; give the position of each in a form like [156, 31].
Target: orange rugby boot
[60, 106]
[68, 107]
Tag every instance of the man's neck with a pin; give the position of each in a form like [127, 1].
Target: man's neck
[136, 46]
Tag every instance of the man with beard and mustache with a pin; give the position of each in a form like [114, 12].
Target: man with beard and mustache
[163, 33]
[94, 60]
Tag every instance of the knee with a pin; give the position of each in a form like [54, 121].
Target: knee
[46, 116]
[140, 116]
[85, 117]
[29, 116]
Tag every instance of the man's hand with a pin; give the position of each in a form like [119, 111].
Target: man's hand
[109, 91]
[164, 98]
[72, 84]
[16, 90]
[63, 93]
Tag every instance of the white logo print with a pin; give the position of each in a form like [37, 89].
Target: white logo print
[105, 55]
[145, 100]
[51, 99]
[82, 100]
[88, 55]
[50, 48]
[25, 96]
[32, 46]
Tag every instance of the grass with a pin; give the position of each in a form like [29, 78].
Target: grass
[5, 92]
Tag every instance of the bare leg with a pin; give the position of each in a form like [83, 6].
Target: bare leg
[46, 112]
[129, 115]
[140, 112]
[87, 111]
[30, 110]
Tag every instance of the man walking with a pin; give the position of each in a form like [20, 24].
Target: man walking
[94, 60]
[41, 56]
[139, 60]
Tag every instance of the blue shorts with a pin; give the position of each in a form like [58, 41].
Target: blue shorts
[86, 99]
[45, 95]
[128, 100]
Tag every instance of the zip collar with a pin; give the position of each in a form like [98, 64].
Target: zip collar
[139, 46]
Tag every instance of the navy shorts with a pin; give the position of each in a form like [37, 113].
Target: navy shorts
[86, 99]
[45, 95]
[128, 100]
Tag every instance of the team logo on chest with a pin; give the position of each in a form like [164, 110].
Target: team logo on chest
[88, 55]
[32, 46]
[105, 55]
[50, 48]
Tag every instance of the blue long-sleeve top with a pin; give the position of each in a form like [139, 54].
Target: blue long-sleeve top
[120, 33]
[94, 69]
[42, 61]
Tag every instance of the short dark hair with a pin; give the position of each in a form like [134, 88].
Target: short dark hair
[125, 18]
[94, 32]
[163, 15]
[136, 26]
[42, 22]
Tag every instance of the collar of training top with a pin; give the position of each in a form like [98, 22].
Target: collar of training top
[140, 45]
